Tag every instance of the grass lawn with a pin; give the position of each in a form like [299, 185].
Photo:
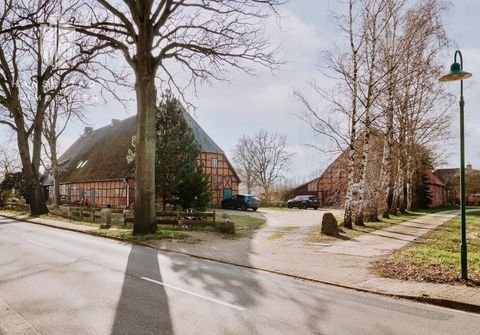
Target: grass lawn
[316, 235]
[435, 257]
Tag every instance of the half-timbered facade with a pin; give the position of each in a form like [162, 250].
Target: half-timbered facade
[94, 171]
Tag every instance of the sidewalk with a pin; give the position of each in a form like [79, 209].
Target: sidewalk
[345, 263]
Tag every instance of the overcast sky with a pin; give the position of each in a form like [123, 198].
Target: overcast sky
[247, 104]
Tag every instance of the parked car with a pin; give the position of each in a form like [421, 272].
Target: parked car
[303, 201]
[242, 201]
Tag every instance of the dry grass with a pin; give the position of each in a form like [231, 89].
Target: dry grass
[435, 257]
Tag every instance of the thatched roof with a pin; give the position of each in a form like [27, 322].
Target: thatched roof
[101, 154]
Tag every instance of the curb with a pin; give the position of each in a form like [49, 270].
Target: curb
[452, 304]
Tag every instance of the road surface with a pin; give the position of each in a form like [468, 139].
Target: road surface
[61, 282]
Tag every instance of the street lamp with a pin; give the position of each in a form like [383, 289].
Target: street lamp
[457, 73]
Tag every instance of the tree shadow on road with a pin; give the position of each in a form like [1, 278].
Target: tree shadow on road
[143, 306]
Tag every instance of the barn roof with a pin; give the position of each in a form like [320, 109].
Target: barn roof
[101, 154]
[433, 179]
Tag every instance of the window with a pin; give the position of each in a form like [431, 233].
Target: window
[214, 178]
[118, 191]
[214, 162]
[81, 164]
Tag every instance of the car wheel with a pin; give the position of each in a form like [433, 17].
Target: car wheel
[244, 207]
[254, 209]
[315, 208]
[289, 206]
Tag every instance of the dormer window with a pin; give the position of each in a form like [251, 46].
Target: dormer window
[81, 164]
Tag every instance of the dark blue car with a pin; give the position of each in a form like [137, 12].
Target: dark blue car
[242, 201]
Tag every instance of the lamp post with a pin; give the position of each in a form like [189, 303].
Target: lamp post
[457, 73]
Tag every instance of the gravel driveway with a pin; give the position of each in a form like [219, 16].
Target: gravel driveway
[278, 218]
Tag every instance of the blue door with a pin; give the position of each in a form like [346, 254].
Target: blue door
[227, 193]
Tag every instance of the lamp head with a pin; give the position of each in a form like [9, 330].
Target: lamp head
[456, 73]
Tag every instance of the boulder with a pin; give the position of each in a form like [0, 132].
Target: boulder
[106, 218]
[225, 226]
[329, 224]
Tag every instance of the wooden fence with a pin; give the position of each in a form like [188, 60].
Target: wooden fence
[124, 216]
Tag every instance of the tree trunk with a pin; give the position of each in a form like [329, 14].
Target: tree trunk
[56, 189]
[54, 170]
[389, 198]
[145, 221]
[403, 203]
[359, 219]
[348, 217]
[396, 191]
[35, 192]
[388, 166]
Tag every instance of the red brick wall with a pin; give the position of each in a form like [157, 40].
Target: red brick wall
[439, 195]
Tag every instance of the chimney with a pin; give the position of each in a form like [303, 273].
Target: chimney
[115, 122]
[469, 167]
[87, 130]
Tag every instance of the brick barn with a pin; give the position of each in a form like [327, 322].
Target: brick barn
[95, 171]
[451, 178]
[437, 189]
[331, 186]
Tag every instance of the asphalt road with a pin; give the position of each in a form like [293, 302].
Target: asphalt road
[62, 282]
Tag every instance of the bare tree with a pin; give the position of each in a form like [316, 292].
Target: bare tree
[265, 155]
[378, 91]
[9, 161]
[59, 113]
[421, 103]
[243, 163]
[33, 72]
[344, 100]
[201, 36]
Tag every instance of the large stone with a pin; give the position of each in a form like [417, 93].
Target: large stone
[329, 224]
[225, 226]
[106, 218]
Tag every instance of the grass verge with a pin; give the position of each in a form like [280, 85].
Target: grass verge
[316, 235]
[161, 234]
[435, 257]
[245, 225]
